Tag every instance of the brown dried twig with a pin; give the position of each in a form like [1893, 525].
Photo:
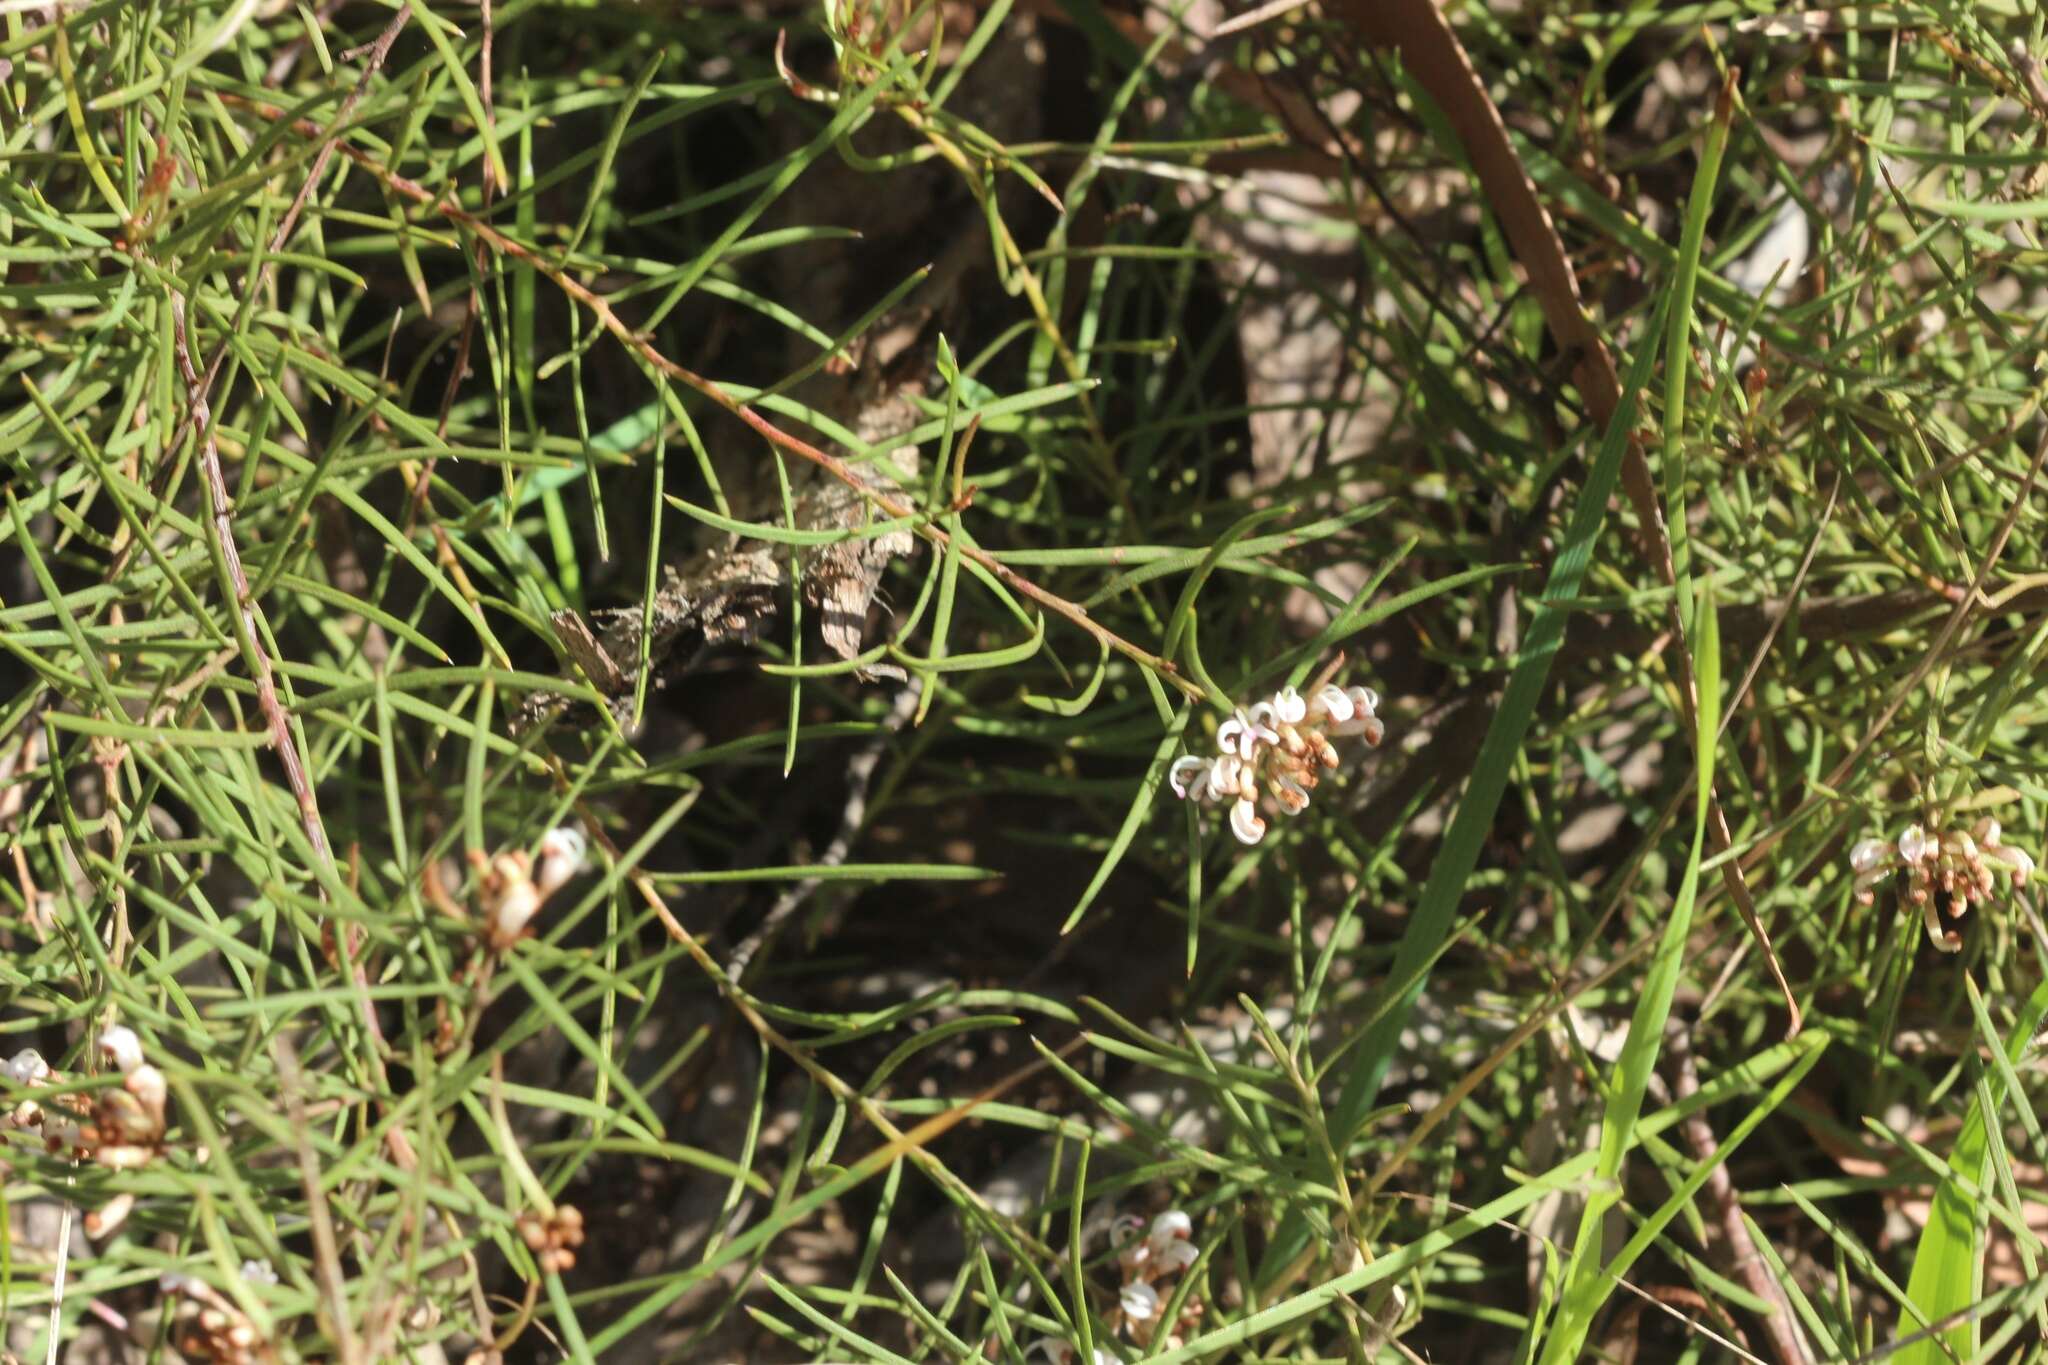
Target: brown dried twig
[860, 771]
[1781, 1323]
[221, 520]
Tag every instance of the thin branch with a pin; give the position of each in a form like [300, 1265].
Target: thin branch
[860, 771]
[221, 521]
[199, 413]
[326, 1253]
[1430, 49]
[601, 308]
[1781, 1324]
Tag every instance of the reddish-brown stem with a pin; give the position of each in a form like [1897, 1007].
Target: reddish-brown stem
[839, 469]
[198, 397]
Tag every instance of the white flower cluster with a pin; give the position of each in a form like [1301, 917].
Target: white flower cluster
[513, 889]
[1944, 872]
[120, 1129]
[1149, 1257]
[1278, 748]
[207, 1324]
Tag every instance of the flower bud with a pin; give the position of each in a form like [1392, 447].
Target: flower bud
[120, 1048]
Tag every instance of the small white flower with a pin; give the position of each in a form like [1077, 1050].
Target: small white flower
[259, 1272]
[509, 898]
[1168, 1226]
[1988, 831]
[1915, 846]
[120, 1046]
[1178, 1256]
[1187, 775]
[27, 1067]
[2022, 865]
[562, 851]
[1245, 822]
[1868, 854]
[146, 1084]
[1140, 1301]
[1364, 719]
[106, 1220]
[1332, 702]
[1291, 795]
[1289, 707]
[1242, 734]
[1227, 776]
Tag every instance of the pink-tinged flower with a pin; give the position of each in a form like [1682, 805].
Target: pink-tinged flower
[1243, 734]
[1276, 750]
[1944, 872]
[1333, 703]
[1189, 774]
[1364, 720]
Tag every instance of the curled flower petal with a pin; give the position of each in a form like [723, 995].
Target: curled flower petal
[1140, 1301]
[1245, 822]
[1170, 1226]
[1915, 846]
[1291, 795]
[120, 1046]
[2022, 865]
[1988, 831]
[1363, 699]
[1288, 705]
[1227, 776]
[1947, 940]
[1185, 770]
[1868, 854]
[26, 1067]
[1244, 732]
[1178, 1256]
[1332, 702]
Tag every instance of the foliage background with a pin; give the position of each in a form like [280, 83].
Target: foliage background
[1200, 355]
